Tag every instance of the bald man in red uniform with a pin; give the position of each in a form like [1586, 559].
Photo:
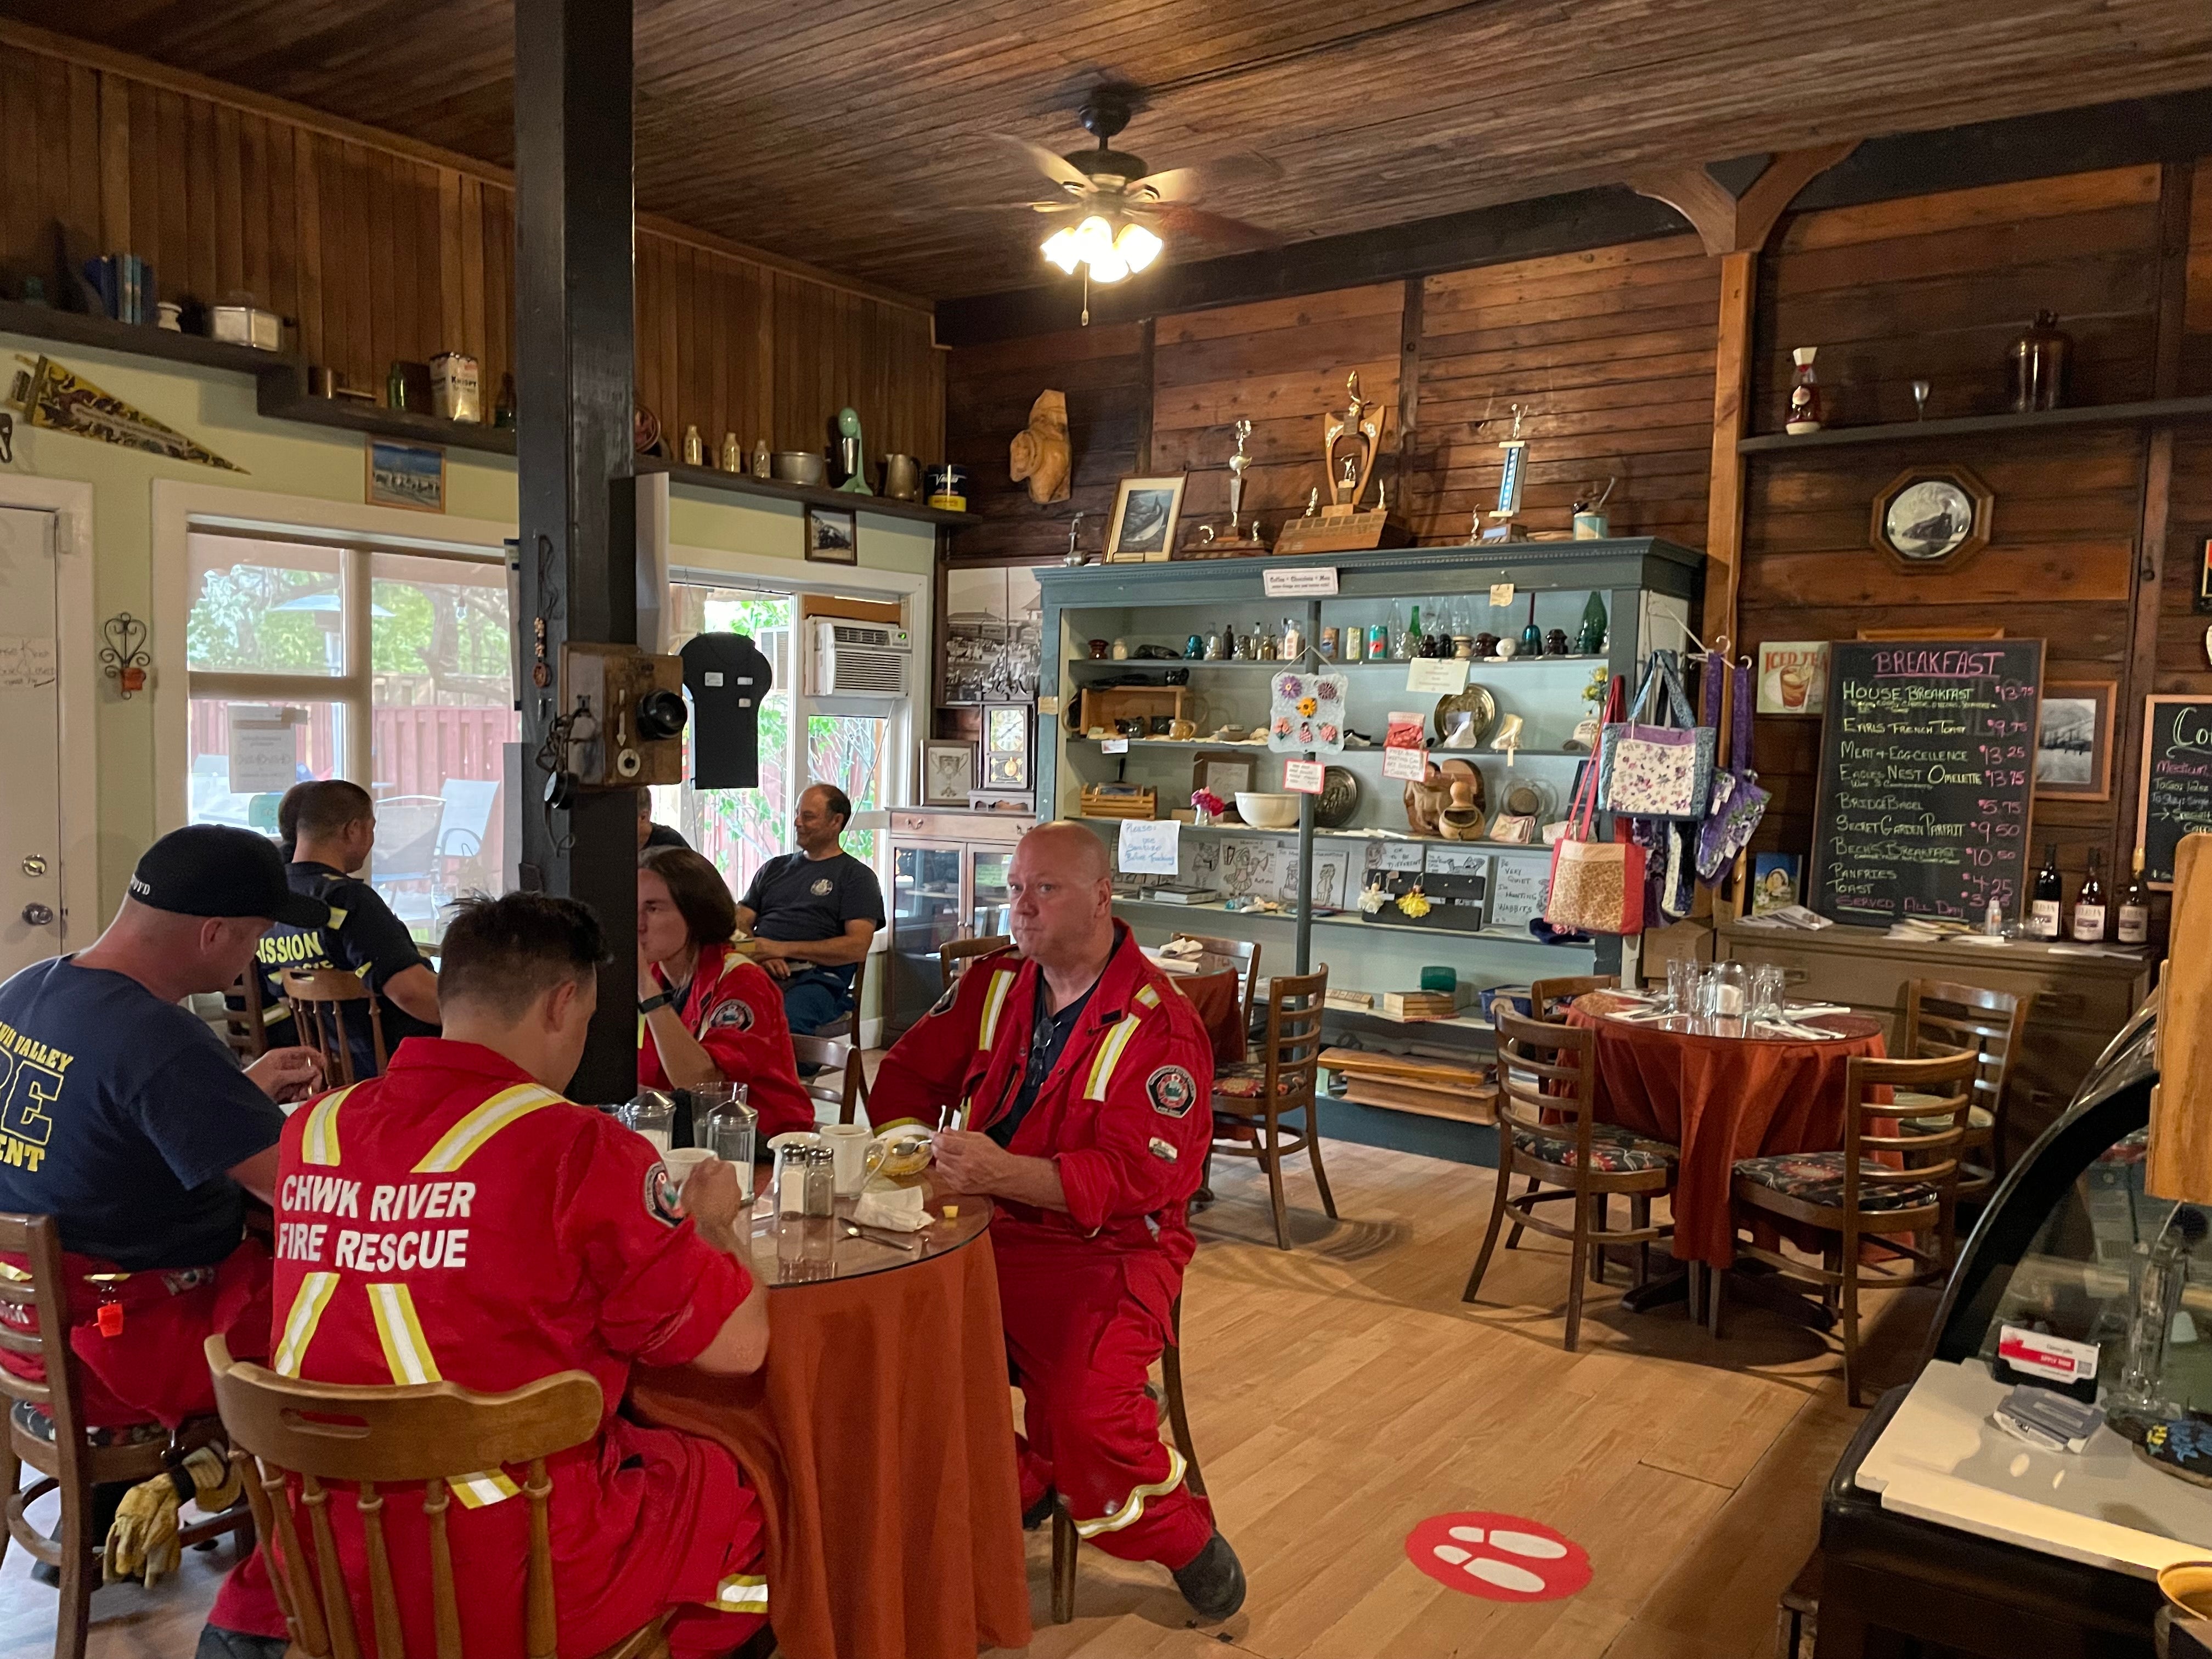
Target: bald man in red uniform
[458, 1219]
[1084, 1077]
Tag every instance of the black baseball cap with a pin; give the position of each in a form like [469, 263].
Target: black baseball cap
[213, 869]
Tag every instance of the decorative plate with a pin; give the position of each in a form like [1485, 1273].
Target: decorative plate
[1474, 700]
[1339, 799]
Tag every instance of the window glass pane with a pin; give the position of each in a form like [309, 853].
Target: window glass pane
[737, 830]
[441, 706]
[264, 763]
[264, 607]
[848, 751]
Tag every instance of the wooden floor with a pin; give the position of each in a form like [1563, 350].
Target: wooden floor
[1341, 1393]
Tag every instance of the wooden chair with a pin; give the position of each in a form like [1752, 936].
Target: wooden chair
[76, 1458]
[1944, 1018]
[246, 1021]
[955, 954]
[1064, 1536]
[1852, 1196]
[1257, 1094]
[830, 1072]
[1548, 1131]
[1544, 993]
[1240, 955]
[429, 1435]
[318, 999]
[848, 1021]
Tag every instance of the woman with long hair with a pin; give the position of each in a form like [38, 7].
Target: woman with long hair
[706, 1014]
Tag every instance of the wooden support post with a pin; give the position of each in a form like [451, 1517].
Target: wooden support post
[574, 338]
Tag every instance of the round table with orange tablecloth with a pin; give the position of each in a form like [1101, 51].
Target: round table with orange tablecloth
[1720, 1098]
[880, 1434]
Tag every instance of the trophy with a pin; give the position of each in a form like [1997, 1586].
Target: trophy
[1351, 438]
[1242, 537]
[1505, 523]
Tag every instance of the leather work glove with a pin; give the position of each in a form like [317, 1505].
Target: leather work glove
[142, 1542]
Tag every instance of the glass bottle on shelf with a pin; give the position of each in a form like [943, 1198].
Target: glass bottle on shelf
[2043, 901]
[2134, 926]
[1804, 393]
[1412, 638]
[1393, 642]
[1532, 637]
[2089, 906]
[1263, 643]
[1293, 647]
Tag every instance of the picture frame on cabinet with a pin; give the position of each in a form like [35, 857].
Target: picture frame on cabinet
[1143, 528]
[948, 771]
[2074, 740]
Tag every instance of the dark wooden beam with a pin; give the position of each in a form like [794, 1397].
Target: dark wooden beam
[2170, 128]
[573, 361]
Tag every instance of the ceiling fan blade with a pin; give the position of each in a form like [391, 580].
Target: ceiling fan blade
[1022, 204]
[1185, 184]
[1180, 219]
[1053, 167]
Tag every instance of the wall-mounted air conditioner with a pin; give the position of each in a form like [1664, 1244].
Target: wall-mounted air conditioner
[858, 659]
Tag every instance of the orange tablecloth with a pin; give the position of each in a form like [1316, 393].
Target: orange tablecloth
[881, 1436]
[1216, 997]
[1720, 1098]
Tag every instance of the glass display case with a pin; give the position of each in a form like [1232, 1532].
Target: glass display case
[948, 882]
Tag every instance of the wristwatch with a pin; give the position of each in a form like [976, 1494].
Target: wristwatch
[647, 1005]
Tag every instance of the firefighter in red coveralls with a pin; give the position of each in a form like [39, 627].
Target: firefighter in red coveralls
[456, 1218]
[705, 1013]
[127, 1121]
[1085, 1077]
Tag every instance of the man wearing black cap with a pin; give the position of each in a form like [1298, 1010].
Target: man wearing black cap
[125, 1117]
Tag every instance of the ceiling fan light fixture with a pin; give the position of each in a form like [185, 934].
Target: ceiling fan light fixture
[1062, 248]
[1108, 253]
[1137, 246]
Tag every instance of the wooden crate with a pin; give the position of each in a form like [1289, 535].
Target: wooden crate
[1098, 803]
[1429, 1088]
[1102, 707]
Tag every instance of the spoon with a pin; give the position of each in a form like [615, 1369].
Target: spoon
[874, 1237]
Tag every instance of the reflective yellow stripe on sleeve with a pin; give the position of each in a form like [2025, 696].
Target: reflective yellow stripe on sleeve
[741, 1592]
[407, 1354]
[313, 1296]
[1147, 996]
[1110, 1054]
[994, 1002]
[1131, 1509]
[319, 1142]
[476, 1127]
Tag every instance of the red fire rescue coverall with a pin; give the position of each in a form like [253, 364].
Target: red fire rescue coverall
[736, 1012]
[454, 1219]
[1084, 1293]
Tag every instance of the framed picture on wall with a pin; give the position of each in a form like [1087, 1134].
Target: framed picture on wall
[831, 536]
[1143, 527]
[406, 475]
[2074, 743]
[948, 771]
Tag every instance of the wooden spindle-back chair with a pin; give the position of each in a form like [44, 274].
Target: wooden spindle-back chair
[319, 998]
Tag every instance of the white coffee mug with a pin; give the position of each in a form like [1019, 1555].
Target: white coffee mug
[680, 1161]
[849, 1146]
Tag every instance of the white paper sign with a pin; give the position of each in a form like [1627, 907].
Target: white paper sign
[1441, 675]
[1517, 887]
[1411, 765]
[1501, 593]
[265, 755]
[1279, 584]
[1150, 847]
[1305, 777]
[1114, 746]
[27, 660]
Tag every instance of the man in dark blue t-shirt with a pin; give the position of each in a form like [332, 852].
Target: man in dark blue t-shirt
[812, 914]
[125, 1117]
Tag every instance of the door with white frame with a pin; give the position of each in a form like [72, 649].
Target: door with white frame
[31, 830]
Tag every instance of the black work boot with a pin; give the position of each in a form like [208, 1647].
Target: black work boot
[1041, 1511]
[1214, 1581]
[216, 1643]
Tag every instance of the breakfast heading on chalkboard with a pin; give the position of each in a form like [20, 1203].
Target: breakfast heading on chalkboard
[2177, 780]
[1927, 769]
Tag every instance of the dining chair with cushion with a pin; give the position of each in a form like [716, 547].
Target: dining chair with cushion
[829, 1070]
[1241, 956]
[332, 1437]
[1548, 1131]
[45, 1429]
[1065, 1538]
[955, 954]
[1885, 1184]
[1549, 998]
[319, 998]
[1944, 1018]
[1252, 1097]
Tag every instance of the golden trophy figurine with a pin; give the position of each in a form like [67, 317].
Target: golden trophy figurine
[1351, 440]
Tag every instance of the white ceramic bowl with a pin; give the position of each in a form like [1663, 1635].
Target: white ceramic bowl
[1264, 811]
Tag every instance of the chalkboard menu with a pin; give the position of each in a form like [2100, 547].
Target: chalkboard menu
[1927, 772]
[2177, 780]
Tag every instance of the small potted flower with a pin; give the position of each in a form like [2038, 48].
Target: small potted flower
[1206, 808]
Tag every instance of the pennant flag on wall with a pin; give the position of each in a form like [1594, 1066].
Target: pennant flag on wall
[61, 400]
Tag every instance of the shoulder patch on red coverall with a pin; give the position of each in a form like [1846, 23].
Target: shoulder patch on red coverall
[1173, 1090]
[735, 1011]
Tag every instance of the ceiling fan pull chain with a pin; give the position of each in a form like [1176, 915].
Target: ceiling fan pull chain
[1086, 296]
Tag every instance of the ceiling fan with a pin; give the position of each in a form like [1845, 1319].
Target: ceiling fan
[1126, 212]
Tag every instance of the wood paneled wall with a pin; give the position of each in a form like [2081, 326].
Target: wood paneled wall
[382, 249]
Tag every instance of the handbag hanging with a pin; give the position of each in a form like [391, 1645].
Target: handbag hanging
[1662, 770]
[1738, 801]
[1596, 886]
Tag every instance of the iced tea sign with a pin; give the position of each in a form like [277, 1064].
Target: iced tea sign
[1793, 677]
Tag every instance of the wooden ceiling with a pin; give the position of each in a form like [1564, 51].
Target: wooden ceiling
[852, 135]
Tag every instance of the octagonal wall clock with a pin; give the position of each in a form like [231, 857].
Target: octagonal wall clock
[1932, 517]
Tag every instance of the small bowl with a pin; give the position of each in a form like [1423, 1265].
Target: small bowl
[1267, 812]
[2187, 1587]
[800, 466]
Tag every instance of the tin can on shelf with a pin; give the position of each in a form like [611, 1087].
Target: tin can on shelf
[456, 386]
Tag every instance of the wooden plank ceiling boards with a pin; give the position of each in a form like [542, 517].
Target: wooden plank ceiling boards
[855, 137]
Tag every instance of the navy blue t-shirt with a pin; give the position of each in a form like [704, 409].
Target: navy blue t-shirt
[119, 1115]
[808, 900]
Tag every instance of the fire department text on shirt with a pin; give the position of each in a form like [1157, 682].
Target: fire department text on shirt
[369, 1252]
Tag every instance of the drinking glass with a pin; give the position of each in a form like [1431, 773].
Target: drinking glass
[730, 1135]
[1682, 975]
[652, 1115]
[1725, 990]
[1766, 991]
